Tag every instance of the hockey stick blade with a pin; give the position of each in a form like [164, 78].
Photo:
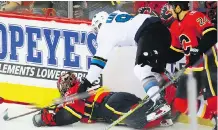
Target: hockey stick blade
[147, 98]
[5, 116]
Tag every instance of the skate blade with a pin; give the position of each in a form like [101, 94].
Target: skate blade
[157, 114]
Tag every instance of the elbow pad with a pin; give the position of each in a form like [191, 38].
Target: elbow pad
[208, 40]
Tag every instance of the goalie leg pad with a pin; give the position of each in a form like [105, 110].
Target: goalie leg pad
[138, 119]
[117, 104]
[147, 113]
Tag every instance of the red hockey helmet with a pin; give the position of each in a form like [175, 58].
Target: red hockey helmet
[66, 81]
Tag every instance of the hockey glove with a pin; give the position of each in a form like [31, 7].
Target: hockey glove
[194, 56]
[44, 118]
[84, 85]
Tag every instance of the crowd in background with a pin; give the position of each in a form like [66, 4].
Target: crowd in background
[87, 9]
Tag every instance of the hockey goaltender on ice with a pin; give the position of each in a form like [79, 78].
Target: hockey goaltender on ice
[104, 106]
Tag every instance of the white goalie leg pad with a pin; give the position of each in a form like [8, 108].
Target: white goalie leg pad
[159, 113]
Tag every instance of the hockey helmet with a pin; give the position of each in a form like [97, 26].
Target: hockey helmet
[66, 81]
[98, 20]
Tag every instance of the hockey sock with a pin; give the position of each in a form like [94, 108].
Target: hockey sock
[180, 104]
[206, 114]
[205, 110]
[212, 104]
[97, 65]
[151, 92]
[208, 108]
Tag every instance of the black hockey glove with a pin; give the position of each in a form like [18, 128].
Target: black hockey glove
[194, 56]
[84, 85]
[149, 58]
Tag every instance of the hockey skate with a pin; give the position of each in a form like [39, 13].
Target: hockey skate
[150, 111]
[214, 120]
[158, 109]
[167, 120]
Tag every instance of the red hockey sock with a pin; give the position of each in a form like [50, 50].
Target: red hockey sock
[207, 114]
[212, 103]
[181, 105]
[209, 108]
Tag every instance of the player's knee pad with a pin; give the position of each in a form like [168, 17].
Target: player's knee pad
[138, 119]
[64, 117]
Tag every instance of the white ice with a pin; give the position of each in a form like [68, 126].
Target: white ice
[25, 123]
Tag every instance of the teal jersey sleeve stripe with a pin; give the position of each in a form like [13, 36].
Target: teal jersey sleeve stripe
[98, 62]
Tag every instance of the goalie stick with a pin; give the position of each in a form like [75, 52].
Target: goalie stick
[147, 98]
[56, 102]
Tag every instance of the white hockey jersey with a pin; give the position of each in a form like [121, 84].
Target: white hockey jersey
[119, 30]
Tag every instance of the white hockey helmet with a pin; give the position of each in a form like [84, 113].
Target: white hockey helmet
[99, 19]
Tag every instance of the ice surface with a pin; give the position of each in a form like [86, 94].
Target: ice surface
[26, 122]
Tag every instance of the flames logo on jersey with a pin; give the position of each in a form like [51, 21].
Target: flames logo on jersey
[166, 13]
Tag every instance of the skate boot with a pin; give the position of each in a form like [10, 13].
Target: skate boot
[158, 109]
[215, 122]
[167, 120]
[139, 118]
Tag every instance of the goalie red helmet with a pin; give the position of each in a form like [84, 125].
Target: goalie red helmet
[66, 81]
